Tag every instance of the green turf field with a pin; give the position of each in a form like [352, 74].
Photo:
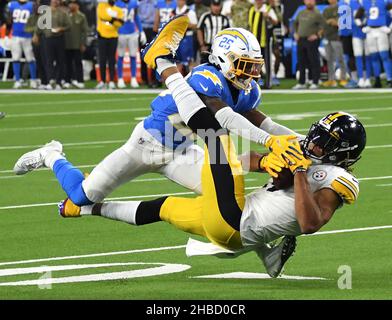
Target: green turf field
[91, 126]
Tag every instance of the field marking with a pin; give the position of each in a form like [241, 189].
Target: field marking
[46, 204]
[156, 91]
[254, 275]
[301, 114]
[73, 113]
[72, 144]
[72, 126]
[129, 123]
[114, 253]
[83, 101]
[384, 185]
[157, 269]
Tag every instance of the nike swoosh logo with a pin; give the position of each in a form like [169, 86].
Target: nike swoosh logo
[203, 87]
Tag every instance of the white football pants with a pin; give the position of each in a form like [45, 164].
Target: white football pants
[141, 154]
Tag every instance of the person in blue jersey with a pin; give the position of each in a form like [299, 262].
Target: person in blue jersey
[163, 143]
[21, 42]
[129, 39]
[376, 13]
[361, 50]
[185, 52]
[163, 12]
[346, 36]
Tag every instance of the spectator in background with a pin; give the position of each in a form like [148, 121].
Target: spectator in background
[307, 32]
[21, 42]
[129, 39]
[75, 45]
[55, 44]
[346, 37]
[109, 19]
[38, 48]
[146, 12]
[261, 20]
[209, 25]
[333, 47]
[163, 12]
[200, 8]
[239, 13]
[185, 50]
[277, 34]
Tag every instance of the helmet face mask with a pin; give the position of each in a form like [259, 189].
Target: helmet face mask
[339, 136]
[236, 52]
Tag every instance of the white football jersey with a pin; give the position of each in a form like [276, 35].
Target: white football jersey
[270, 213]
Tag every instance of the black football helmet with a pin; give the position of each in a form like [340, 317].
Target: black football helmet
[341, 137]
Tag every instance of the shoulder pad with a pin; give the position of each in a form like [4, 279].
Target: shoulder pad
[347, 187]
[206, 82]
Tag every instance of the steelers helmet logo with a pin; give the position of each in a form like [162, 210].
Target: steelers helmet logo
[319, 175]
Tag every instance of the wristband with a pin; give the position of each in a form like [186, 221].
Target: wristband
[299, 169]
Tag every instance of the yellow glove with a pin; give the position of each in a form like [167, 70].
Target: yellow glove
[301, 163]
[285, 146]
[272, 164]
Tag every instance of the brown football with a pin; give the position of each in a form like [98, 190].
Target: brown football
[284, 180]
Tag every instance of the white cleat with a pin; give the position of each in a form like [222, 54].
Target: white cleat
[299, 86]
[36, 159]
[368, 84]
[112, 85]
[134, 83]
[79, 85]
[17, 85]
[67, 85]
[313, 86]
[361, 83]
[100, 86]
[121, 84]
[33, 84]
[277, 256]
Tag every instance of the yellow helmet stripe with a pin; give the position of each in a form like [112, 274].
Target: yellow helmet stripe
[333, 117]
[234, 33]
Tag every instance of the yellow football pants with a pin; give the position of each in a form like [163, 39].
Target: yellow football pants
[216, 214]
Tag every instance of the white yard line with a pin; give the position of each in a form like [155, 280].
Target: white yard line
[73, 102]
[156, 91]
[74, 113]
[46, 204]
[105, 254]
[129, 123]
[72, 126]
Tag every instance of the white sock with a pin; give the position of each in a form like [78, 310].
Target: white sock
[187, 100]
[51, 158]
[120, 210]
[86, 210]
[163, 64]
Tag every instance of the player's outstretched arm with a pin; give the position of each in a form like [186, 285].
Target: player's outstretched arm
[265, 123]
[237, 123]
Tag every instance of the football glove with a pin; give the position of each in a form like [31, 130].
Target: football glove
[272, 164]
[280, 145]
[300, 164]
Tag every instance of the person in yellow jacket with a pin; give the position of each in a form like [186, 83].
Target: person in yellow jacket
[109, 19]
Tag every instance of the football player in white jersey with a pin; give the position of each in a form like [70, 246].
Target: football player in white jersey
[162, 143]
[318, 188]
[233, 222]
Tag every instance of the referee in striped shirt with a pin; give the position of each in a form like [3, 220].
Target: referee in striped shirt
[210, 23]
